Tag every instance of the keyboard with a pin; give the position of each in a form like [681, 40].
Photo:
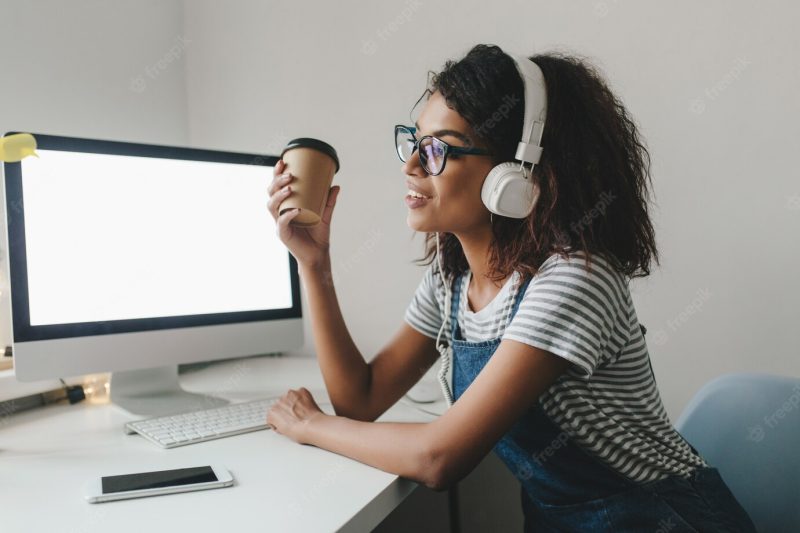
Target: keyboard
[199, 426]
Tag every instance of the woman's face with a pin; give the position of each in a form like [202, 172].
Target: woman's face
[454, 197]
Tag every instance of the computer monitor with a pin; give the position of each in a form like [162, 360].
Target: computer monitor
[133, 258]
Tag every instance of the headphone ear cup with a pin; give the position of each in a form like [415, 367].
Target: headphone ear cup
[491, 184]
[507, 192]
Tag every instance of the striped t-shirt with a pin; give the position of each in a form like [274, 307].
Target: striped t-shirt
[607, 400]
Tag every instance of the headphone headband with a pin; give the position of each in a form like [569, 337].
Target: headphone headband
[529, 148]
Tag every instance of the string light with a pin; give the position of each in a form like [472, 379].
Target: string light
[97, 388]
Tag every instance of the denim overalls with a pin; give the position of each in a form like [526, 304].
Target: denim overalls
[563, 488]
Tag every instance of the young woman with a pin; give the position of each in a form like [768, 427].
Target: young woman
[550, 365]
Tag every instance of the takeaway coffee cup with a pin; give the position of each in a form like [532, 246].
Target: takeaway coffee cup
[313, 164]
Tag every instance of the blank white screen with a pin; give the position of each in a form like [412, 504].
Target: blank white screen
[112, 237]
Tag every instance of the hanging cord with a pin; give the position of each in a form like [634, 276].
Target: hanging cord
[445, 352]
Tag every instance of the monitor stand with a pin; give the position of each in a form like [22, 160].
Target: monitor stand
[156, 392]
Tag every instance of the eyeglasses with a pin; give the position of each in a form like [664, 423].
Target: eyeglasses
[433, 151]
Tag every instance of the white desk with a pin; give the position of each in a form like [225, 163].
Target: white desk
[47, 454]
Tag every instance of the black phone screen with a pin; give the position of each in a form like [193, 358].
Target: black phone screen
[157, 479]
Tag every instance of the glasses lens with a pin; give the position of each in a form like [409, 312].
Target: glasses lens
[404, 142]
[431, 152]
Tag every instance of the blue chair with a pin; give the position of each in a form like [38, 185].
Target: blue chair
[748, 427]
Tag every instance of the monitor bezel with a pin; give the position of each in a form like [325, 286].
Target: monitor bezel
[23, 331]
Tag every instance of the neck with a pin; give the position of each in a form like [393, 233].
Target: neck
[476, 246]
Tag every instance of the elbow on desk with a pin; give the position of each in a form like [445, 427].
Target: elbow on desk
[438, 484]
[438, 471]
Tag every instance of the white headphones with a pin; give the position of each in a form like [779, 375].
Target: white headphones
[509, 189]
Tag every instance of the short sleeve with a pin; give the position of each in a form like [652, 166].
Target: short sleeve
[575, 312]
[424, 313]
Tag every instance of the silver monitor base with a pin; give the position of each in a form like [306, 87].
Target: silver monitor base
[156, 392]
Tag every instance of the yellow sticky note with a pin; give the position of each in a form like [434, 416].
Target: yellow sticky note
[16, 147]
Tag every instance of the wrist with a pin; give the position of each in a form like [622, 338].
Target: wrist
[309, 425]
[316, 267]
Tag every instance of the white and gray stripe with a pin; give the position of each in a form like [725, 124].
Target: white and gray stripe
[608, 401]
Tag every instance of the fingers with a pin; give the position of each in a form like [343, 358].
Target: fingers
[276, 198]
[282, 180]
[294, 393]
[279, 168]
[279, 188]
[277, 411]
[327, 212]
[284, 229]
[279, 178]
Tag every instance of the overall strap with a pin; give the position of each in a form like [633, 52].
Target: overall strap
[456, 298]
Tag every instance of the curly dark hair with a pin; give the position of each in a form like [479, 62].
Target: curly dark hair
[593, 175]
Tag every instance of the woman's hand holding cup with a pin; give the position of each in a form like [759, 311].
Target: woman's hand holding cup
[309, 245]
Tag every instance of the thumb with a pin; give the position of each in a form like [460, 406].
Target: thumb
[327, 213]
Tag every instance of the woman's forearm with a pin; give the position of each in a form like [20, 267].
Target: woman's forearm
[344, 370]
[395, 447]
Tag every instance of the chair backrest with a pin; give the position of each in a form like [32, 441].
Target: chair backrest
[748, 427]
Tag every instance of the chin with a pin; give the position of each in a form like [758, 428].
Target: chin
[416, 224]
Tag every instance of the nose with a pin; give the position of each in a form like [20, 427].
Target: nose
[413, 166]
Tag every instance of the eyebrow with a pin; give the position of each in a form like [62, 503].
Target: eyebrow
[441, 133]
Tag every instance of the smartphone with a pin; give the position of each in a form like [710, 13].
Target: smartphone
[139, 485]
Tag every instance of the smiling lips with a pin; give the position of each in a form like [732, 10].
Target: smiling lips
[415, 197]
[416, 192]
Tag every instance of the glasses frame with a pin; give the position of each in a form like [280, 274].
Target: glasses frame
[448, 148]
